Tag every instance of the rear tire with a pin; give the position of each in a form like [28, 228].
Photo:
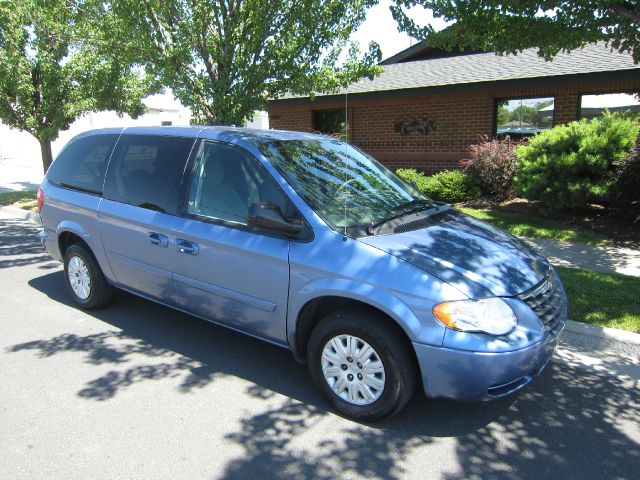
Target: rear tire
[362, 364]
[84, 278]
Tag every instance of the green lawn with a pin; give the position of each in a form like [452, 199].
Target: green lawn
[22, 199]
[534, 227]
[603, 299]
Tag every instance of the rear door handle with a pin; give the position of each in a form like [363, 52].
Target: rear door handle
[185, 246]
[158, 239]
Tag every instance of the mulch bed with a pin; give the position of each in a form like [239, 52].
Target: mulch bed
[608, 222]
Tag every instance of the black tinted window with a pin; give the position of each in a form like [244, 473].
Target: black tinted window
[228, 181]
[146, 171]
[83, 163]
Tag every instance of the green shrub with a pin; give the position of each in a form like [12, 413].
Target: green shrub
[448, 186]
[494, 163]
[569, 165]
[625, 192]
[416, 177]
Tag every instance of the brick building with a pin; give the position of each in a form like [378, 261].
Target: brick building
[428, 106]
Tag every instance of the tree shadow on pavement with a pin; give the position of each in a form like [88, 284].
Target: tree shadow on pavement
[573, 422]
[154, 342]
[268, 441]
[19, 245]
[567, 425]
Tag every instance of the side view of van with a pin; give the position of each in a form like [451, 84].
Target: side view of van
[306, 242]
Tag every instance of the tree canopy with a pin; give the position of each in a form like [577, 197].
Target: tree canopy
[55, 67]
[225, 58]
[510, 26]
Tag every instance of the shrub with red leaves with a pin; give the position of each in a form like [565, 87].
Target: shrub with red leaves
[493, 162]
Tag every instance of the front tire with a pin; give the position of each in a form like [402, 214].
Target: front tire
[362, 364]
[84, 278]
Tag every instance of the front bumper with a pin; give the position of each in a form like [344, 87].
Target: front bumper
[469, 375]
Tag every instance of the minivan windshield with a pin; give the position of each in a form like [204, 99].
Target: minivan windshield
[344, 186]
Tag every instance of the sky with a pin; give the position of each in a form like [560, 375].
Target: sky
[380, 27]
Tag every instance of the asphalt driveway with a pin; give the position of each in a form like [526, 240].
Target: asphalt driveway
[141, 391]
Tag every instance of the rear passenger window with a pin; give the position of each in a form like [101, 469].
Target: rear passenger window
[228, 181]
[83, 163]
[146, 171]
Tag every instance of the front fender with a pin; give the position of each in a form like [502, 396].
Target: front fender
[385, 301]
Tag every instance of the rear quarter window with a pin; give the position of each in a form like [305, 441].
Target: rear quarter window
[146, 171]
[83, 163]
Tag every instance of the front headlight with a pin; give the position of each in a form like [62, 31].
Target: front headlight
[489, 315]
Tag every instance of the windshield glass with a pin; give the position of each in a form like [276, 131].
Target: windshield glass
[343, 185]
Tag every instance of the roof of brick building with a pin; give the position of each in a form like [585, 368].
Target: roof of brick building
[472, 68]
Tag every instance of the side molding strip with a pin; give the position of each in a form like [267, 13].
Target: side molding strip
[223, 292]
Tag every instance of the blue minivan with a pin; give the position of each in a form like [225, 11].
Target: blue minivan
[308, 243]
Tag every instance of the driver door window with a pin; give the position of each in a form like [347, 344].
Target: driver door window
[227, 181]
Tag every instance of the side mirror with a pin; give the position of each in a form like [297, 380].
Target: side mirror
[268, 216]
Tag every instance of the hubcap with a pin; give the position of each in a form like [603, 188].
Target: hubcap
[79, 278]
[353, 369]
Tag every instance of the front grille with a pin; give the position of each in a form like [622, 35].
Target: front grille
[547, 301]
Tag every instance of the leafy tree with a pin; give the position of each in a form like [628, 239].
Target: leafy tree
[225, 58]
[525, 113]
[510, 26]
[503, 113]
[55, 68]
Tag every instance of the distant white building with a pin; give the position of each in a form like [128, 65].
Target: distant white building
[162, 109]
[20, 160]
[594, 105]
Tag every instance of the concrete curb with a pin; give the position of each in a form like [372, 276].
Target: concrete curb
[576, 334]
[20, 213]
[591, 337]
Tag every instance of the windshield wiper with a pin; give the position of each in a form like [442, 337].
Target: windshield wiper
[413, 205]
[405, 208]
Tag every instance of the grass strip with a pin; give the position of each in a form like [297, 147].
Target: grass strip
[603, 299]
[25, 199]
[534, 227]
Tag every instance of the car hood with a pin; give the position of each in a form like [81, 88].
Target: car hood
[471, 255]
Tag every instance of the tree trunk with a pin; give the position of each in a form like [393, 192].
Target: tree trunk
[47, 156]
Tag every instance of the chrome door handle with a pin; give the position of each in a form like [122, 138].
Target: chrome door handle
[158, 239]
[185, 246]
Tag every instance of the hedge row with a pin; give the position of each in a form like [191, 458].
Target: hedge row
[448, 186]
[589, 161]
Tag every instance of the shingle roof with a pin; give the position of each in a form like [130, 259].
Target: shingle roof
[489, 67]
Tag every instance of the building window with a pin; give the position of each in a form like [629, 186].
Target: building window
[166, 123]
[330, 122]
[593, 105]
[521, 117]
